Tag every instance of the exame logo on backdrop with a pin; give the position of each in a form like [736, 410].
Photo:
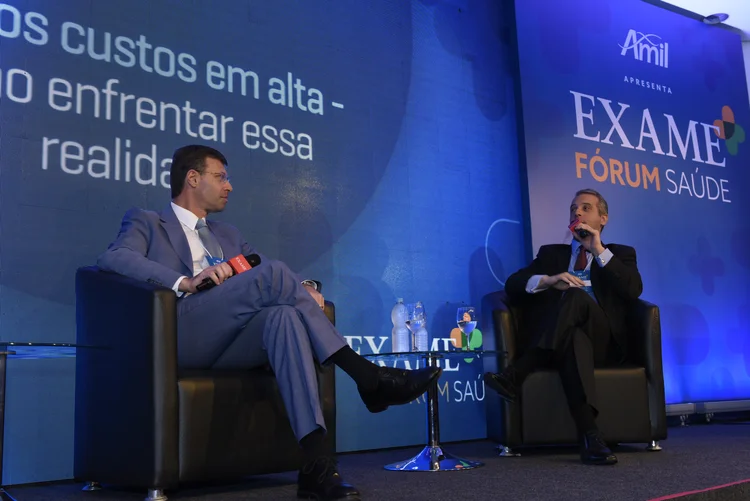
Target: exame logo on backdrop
[649, 49]
[657, 133]
[467, 390]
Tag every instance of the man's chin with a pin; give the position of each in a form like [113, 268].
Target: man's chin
[218, 208]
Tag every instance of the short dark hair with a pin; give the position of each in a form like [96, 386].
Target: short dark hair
[601, 205]
[187, 158]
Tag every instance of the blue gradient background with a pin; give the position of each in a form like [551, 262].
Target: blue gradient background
[692, 252]
[414, 190]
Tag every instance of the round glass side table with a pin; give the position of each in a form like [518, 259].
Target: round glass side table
[433, 457]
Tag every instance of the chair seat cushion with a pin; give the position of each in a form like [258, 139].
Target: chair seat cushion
[622, 395]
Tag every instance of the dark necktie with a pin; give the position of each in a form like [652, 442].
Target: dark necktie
[209, 239]
[581, 260]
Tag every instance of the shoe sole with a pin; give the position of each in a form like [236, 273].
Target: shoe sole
[490, 381]
[380, 408]
[377, 409]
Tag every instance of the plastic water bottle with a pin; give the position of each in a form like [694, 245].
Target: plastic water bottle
[418, 325]
[421, 340]
[400, 335]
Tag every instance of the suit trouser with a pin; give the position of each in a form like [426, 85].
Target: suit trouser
[574, 329]
[261, 316]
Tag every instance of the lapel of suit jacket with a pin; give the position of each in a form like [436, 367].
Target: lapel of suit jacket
[177, 237]
[564, 257]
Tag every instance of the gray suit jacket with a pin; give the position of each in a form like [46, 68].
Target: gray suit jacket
[152, 246]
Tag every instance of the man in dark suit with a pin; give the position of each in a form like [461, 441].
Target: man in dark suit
[574, 300]
[265, 315]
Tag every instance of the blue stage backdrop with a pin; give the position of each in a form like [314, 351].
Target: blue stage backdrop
[371, 145]
[651, 109]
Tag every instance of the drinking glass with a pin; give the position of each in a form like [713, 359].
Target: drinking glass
[466, 317]
[416, 322]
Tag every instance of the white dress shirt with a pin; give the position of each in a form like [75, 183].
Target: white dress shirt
[188, 220]
[532, 286]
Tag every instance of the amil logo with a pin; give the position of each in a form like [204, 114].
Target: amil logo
[647, 48]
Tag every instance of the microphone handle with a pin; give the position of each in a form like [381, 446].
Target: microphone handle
[205, 285]
[253, 260]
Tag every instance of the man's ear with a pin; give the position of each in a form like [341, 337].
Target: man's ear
[604, 218]
[192, 177]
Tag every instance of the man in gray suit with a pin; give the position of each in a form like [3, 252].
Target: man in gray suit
[262, 316]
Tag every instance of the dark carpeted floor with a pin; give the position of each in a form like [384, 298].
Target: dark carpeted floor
[693, 458]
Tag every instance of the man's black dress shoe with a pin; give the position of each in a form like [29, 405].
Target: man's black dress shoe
[594, 449]
[503, 383]
[320, 479]
[398, 386]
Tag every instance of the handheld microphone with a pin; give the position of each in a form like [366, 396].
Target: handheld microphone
[581, 233]
[239, 264]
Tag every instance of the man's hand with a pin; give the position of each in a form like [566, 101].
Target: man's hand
[317, 296]
[561, 281]
[218, 273]
[592, 242]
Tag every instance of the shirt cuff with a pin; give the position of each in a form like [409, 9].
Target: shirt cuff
[176, 286]
[532, 286]
[604, 258]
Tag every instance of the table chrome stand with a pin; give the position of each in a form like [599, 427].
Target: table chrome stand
[433, 457]
[4, 352]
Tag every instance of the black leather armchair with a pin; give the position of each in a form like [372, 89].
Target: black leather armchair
[142, 422]
[630, 397]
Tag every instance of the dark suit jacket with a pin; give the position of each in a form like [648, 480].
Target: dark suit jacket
[616, 285]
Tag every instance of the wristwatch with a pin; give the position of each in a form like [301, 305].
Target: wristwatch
[311, 283]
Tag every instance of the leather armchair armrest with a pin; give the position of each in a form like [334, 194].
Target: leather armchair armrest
[645, 348]
[327, 388]
[126, 429]
[499, 316]
[503, 418]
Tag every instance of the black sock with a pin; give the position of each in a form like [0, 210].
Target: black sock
[361, 370]
[313, 445]
[585, 418]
